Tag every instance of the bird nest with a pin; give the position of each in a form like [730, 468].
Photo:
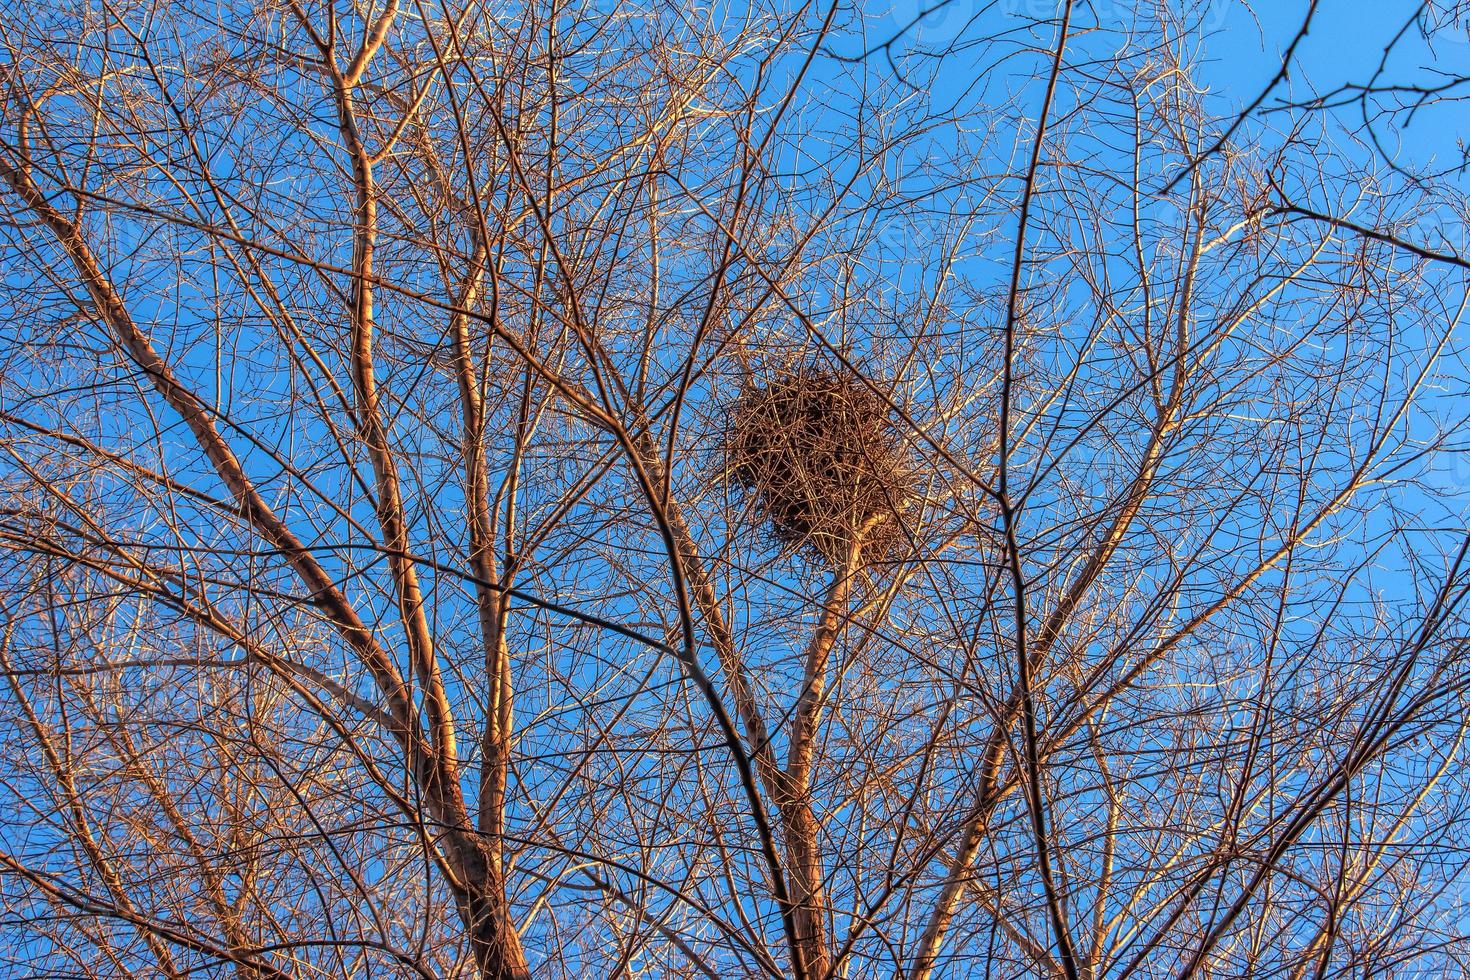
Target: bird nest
[820, 458]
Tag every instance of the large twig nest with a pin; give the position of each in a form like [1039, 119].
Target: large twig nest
[819, 455]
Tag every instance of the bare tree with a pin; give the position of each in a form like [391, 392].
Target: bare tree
[606, 490]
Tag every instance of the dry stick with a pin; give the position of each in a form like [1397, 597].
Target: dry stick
[1009, 516]
[1249, 110]
[731, 934]
[81, 827]
[489, 602]
[794, 785]
[726, 250]
[421, 755]
[1321, 945]
[154, 931]
[212, 877]
[920, 970]
[178, 934]
[478, 866]
[280, 316]
[975, 830]
[644, 457]
[976, 825]
[645, 463]
[1167, 645]
[1314, 801]
[1368, 742]
[203, 613]
[993, 792]
[209, 618]
[1448, 258]
[990, 790]
[669, 934]
[691, 580]
[1089, 710]
[251, 506]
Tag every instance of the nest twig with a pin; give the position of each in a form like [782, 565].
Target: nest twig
[819, 455]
